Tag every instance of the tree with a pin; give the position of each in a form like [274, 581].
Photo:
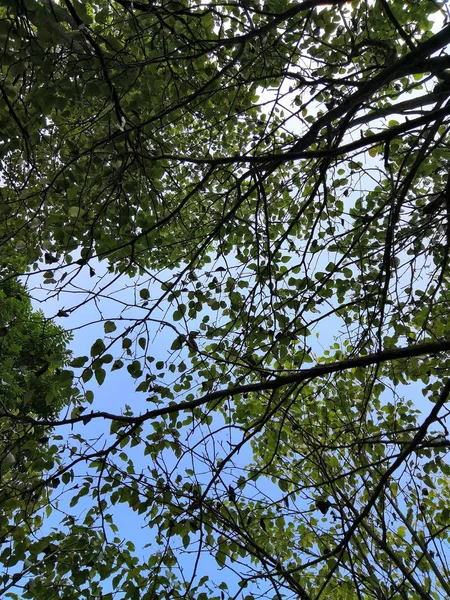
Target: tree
[33, 384]
[33, 351]
[262, 190]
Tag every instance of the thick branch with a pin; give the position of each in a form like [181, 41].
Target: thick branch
[271, 384]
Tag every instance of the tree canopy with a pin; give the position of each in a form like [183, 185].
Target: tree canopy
[246, 206]
[33, 385]
[33, 352]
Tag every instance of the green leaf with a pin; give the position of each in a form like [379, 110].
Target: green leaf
[72, 194]
[177, 344]
[126, 343]
[79, 361]
[100, 375]
[220, 558]
[109, 327]
[86, 375]
[134, 369]
[66, 477]
[180, 312]
[97, 347]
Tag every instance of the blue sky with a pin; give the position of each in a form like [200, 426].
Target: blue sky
[118, 389]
